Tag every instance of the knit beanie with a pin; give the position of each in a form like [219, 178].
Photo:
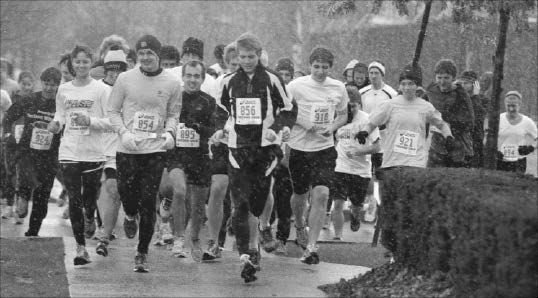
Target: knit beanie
[377, 65]
[514, 93]
[350, 65]
[285, 64]
[149, 42]
[115, 59]
[194, 46]
[469, 75]
[411, 73]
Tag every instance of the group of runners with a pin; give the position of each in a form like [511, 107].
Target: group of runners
[237, 145]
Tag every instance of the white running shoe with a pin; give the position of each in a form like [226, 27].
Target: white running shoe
[178, 250]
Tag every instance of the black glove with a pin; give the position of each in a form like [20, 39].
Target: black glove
[194, 126]
[361, 136]
[450, 143]
[524, 150]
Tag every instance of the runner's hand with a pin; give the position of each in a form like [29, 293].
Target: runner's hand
[325, 131]
[54, 127]
[285, 134]
[217, 137]
[81, 119]
[169, 141]
[525, 150]
[270, 135]
[361, 136]
[128, 140]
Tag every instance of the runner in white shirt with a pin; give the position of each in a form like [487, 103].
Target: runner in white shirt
[80, 106]
[322, 109]
[220, 67]
[109, 198]
[405, 117]
[353, 166]
[143, 107]
[517, 136]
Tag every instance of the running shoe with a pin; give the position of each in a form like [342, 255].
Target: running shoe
[22, 208]
[302, 236]
[281, 248]
[248, 272]
[327, 223]
[141, 263]
[89, 227]
[166, 233]
[178, 250]
[130, 226]
[267, 240]
[355, 222]
[310, 255]
[82, 257]
[338, 238]
[164, 207]
[102, 247]
[30, 234]
[18, 220]
[255, 258]
[214, 249]
[8, 212]
[100, 233]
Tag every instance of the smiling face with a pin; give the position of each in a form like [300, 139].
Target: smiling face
[319, 71]
[193, 78]
[82, 64]
[444, 80]
[149, 61]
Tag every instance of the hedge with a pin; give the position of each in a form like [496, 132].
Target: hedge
[480, 227]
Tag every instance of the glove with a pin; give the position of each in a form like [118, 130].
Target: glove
[169, 142]
[450, 143]
[128, 140]
[361, 136]
[194, 126]
[270, 135]
[524, 150]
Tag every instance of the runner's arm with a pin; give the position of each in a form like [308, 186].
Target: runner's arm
[103, 122]
[14, 112]
[114, 107]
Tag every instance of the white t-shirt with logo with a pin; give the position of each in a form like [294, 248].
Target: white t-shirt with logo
[357, 165]
[405, 143]
[513, 136]
[318, 104]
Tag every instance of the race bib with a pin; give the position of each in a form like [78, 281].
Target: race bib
[145, 125]
[73, 127]
[248, 111]
[322, 114]
[510, 152]
[41, 139]
[18, 132]
[187, 137]
[406, 142]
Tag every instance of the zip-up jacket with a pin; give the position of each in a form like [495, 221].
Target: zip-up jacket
[255, 105]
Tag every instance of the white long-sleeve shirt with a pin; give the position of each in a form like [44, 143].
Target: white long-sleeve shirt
[148, 106]
[82, 143]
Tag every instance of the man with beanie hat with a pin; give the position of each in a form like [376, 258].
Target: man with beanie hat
[285, 68]
[193, 49]
[455, 106]
[143, 108]
[322, 109]
[348, 71]
[109, 203]
[469, 82]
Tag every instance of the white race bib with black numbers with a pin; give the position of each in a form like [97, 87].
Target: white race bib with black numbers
[406, 142]
[73, 127]
[510, 152]
[248, 111]
[41, 139]
[187, 137]
[145, 125]
[322, 114]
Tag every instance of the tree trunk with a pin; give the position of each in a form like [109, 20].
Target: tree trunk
[490, 158]
[422, 32]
